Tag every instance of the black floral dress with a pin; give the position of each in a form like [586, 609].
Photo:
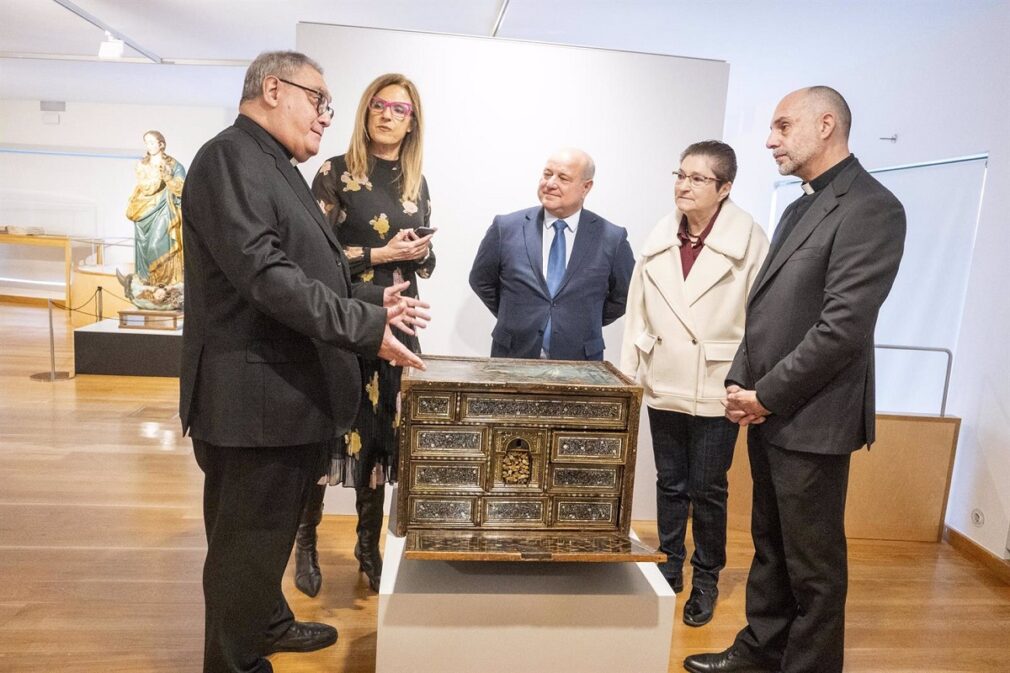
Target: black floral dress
[367, 214]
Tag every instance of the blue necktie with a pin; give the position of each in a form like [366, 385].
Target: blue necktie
[555, 272]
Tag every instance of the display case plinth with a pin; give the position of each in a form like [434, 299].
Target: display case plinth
[501, 617]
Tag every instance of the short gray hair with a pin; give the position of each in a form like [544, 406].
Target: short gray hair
[829, 100]
[282, 64]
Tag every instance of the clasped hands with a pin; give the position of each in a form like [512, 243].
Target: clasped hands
[743, 406]
[406, 314]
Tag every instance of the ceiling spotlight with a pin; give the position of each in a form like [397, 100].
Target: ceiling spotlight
[110, 48]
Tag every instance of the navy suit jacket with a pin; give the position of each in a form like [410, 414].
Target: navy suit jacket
[508, 276]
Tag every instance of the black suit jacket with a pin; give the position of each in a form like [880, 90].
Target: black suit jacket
[508, 276]
[808, 344]
[271, 327]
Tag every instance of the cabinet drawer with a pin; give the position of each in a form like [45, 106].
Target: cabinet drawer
[515, 512]
[565, 478]
[428, 476]
[582, 447]
[444, 512]
[603, 412]
[432, 405]
[436, 441]
[585, 512]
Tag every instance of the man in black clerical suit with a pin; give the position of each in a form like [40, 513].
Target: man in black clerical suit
[270, 371]
[803, 381]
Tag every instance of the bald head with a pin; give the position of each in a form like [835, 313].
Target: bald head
[566, 180]
[810, 131]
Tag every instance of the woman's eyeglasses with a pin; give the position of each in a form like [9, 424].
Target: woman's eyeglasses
[696, 180]
[400, 111]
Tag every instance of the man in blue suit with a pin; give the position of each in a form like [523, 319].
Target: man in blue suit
[554, 275]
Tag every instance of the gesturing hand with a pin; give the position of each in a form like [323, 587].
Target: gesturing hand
[413, 315]
[391, 349]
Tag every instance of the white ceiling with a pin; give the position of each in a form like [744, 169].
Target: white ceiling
[772, 31]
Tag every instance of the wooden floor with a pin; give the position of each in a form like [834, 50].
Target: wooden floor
[101, 546]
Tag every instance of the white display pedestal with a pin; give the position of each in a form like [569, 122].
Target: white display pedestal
[487, 617]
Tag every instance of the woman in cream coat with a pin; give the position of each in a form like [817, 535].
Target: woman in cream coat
[684, 322]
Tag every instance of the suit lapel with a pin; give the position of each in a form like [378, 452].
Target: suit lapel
[533, 236]
[587, 238]
[297, 183]
[667, 274]
[824, 204]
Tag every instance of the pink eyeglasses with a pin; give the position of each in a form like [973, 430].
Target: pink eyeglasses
[400, 110]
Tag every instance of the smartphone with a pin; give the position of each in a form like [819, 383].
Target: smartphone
[425, 231]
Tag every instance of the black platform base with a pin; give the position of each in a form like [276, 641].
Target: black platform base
[104, 348]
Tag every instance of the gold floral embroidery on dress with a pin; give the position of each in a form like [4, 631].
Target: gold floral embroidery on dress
[372, 388]
[424, 272]
[353, 443]
[367, 276]
[381, 224]
[409, 206]
[342, 216]
[352, 184]
[325, 207]
[326, 167]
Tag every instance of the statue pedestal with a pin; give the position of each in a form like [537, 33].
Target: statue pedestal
[146, 319]
[465, 616]
[104, 348]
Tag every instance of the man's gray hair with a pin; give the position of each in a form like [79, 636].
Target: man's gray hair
[826, 99]
[281, 64]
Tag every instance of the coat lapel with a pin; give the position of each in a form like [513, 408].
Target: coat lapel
[297, 183]
[661, 265]
[667, 274]
[291, 175]
[824, 204]
[707, 270]
[587, 239]
[533, 236]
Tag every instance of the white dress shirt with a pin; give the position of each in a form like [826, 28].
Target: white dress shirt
[571, 228]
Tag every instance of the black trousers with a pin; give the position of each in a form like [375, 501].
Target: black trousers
[693, 455]
[799, 577]
[252, 501]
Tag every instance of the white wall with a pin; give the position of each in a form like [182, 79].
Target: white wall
[494, 110]
[74, 178]
[933, 72]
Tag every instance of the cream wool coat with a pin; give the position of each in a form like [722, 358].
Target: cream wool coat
[681, 334]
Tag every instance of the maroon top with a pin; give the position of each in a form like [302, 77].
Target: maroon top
[690, 249]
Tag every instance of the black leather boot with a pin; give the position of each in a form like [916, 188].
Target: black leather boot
[308, 578]
[369, 505]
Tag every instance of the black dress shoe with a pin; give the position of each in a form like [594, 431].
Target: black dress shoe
[304, 637]
[700, 606]
[728, 661]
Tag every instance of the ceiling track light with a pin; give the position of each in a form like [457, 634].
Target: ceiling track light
[110, 48]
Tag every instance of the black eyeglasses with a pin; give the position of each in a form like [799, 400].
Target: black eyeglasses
[322, 105]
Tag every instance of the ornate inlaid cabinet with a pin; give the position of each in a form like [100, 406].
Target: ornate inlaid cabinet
[518, 460]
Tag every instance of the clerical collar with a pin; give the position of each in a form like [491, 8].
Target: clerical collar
[825, 178]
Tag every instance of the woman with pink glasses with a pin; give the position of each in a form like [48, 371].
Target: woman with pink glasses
[376, 200]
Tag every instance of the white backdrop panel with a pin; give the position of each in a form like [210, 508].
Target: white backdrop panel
[494, 110]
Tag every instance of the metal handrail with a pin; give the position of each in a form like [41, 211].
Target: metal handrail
[932, 349]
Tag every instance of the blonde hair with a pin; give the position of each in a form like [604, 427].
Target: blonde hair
[411, 149]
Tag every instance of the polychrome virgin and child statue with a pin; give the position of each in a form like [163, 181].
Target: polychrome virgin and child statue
[154, 207]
